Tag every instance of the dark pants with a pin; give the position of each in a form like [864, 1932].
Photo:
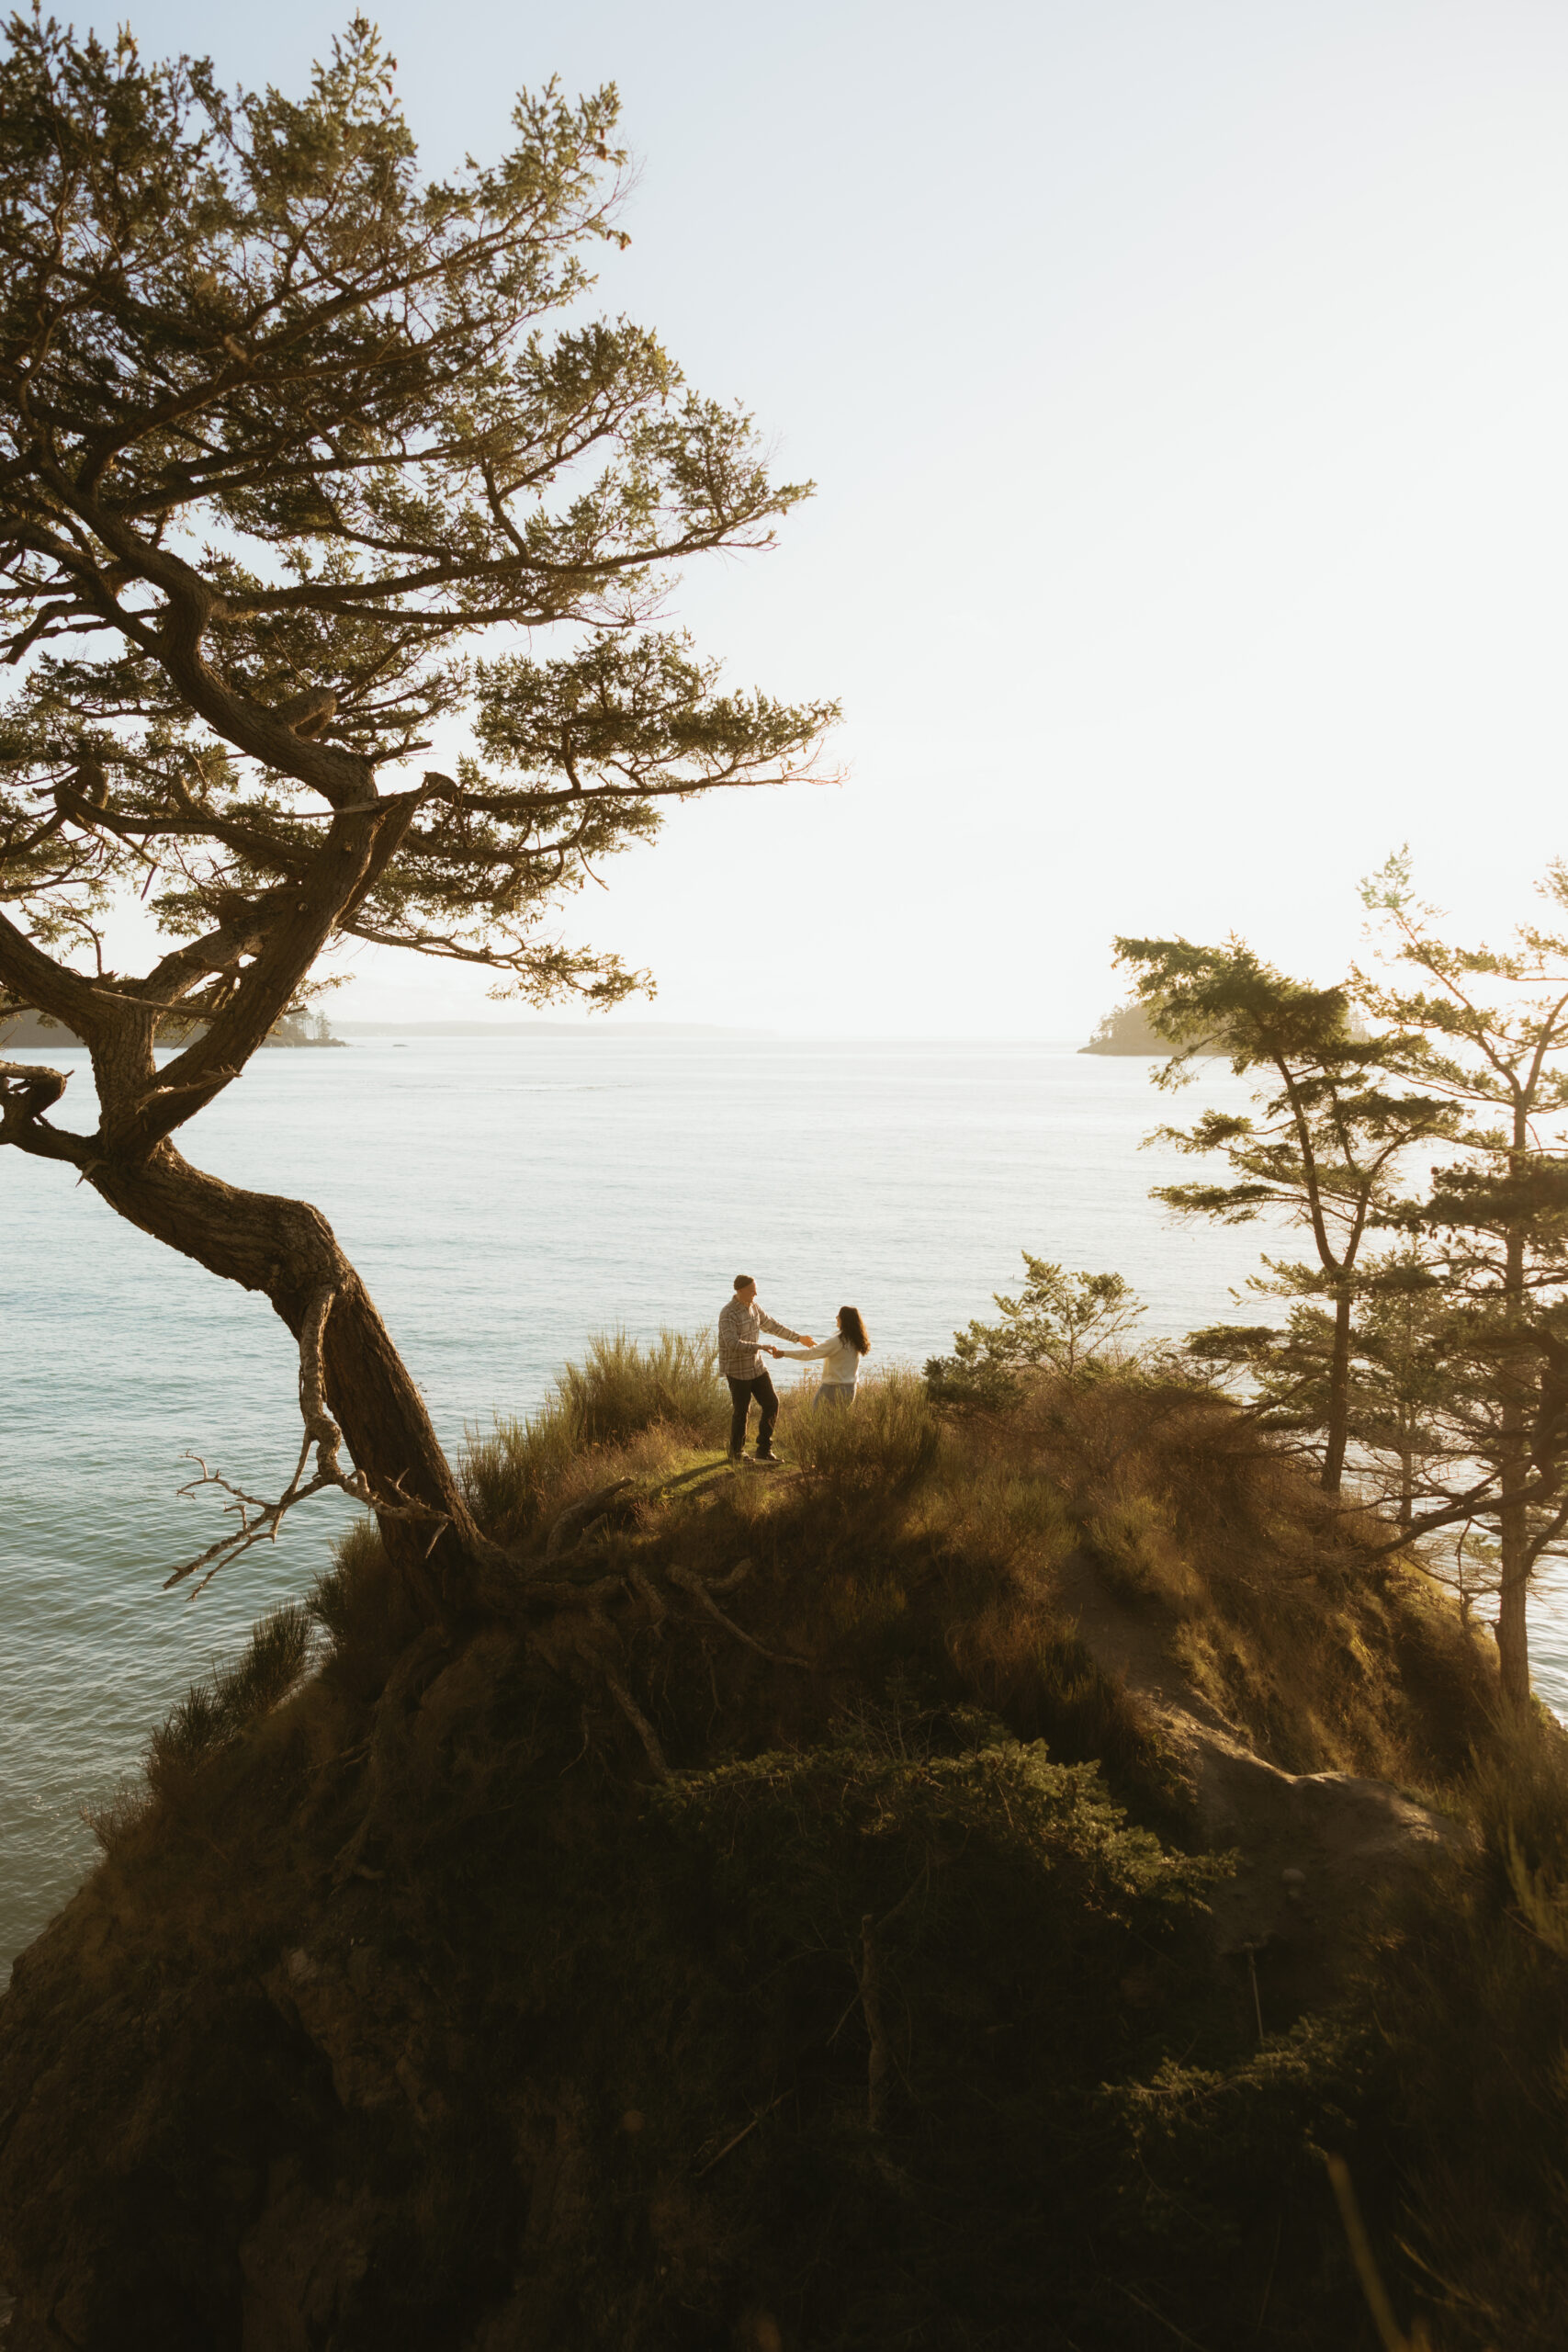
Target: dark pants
[740, 1395]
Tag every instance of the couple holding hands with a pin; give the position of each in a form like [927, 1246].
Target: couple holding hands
[740, 1352]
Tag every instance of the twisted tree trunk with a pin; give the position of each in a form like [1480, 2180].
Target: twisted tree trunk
[250, 967]
[288, 1251]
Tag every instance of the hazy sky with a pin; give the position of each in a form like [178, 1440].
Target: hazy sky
[1186, 389]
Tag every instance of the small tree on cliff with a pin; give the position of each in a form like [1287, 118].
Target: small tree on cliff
[283, 437]
[1330, 1133]
[1060, 1322]
[1400, 1376]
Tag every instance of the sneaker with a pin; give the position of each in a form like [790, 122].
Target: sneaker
[766, 1460]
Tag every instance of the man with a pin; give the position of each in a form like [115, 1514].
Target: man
[740, 1326]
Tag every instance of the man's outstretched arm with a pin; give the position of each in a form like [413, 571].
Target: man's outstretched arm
[782, 1331]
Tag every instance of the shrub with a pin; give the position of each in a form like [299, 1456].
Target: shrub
[1063, 1323]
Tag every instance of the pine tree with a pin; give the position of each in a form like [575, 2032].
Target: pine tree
[1326, 1141]
[1493, 1024]
[301, 455]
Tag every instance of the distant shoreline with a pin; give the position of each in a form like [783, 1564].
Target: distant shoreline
[539, 1028]
[26, 1034]
[36, 1033]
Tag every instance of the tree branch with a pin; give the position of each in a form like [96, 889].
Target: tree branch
[259, 1521]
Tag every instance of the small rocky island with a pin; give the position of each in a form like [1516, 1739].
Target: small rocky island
[1126, 1029]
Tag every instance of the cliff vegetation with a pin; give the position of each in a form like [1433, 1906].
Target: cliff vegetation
[994, 1862]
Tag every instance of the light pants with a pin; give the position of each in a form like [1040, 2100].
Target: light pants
[833, 1392]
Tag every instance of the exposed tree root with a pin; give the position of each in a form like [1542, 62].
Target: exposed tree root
[701, 1593]
[637, 1719]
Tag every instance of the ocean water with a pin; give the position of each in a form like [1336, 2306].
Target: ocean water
[504, 1197]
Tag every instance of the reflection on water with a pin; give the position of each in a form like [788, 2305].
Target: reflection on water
[502, 1197]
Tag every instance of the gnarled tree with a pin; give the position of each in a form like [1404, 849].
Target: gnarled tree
[296, 450]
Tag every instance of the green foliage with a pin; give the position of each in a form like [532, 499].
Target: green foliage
[905, 1792]
[1199, 2135]
[287, 430]
[1493, 1230]
[1443, 1361]
[1330, 1140]
[1400, 1366]
[1065, 1323]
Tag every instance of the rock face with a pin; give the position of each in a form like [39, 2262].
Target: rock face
[1319, 1853]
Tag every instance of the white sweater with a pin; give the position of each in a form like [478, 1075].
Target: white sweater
[840, 1360]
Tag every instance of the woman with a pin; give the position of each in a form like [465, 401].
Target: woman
[839, 1358]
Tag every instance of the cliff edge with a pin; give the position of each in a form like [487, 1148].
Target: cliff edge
[955, 1901]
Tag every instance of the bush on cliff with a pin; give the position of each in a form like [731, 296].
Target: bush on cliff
[825, 1962]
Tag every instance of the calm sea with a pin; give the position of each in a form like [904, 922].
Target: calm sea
[504, 1197]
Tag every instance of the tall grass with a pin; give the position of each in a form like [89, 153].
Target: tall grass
[889, 1436]
[212, 1717]
[217, 1710]
[622, 1389]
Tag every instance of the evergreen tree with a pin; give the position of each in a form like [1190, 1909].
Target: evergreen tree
[1399, 1379]
[1322, 1149]
[300, 453]
[1060, 1322]
[1494, 1025]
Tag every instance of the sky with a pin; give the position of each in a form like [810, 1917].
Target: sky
[1185, 389]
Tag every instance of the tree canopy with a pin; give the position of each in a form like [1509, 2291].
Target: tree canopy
[307, 462]
[1332, 1133]
[283, 437]
[1436, 1370]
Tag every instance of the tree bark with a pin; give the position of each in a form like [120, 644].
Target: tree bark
[284, 1248]
[1513, 1528]
[1513, 1640]
[1339, 1394]
[288, 1251]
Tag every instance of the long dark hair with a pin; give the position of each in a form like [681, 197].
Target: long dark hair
[852, 1329]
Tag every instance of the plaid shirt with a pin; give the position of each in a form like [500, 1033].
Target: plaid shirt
[739, 1328]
